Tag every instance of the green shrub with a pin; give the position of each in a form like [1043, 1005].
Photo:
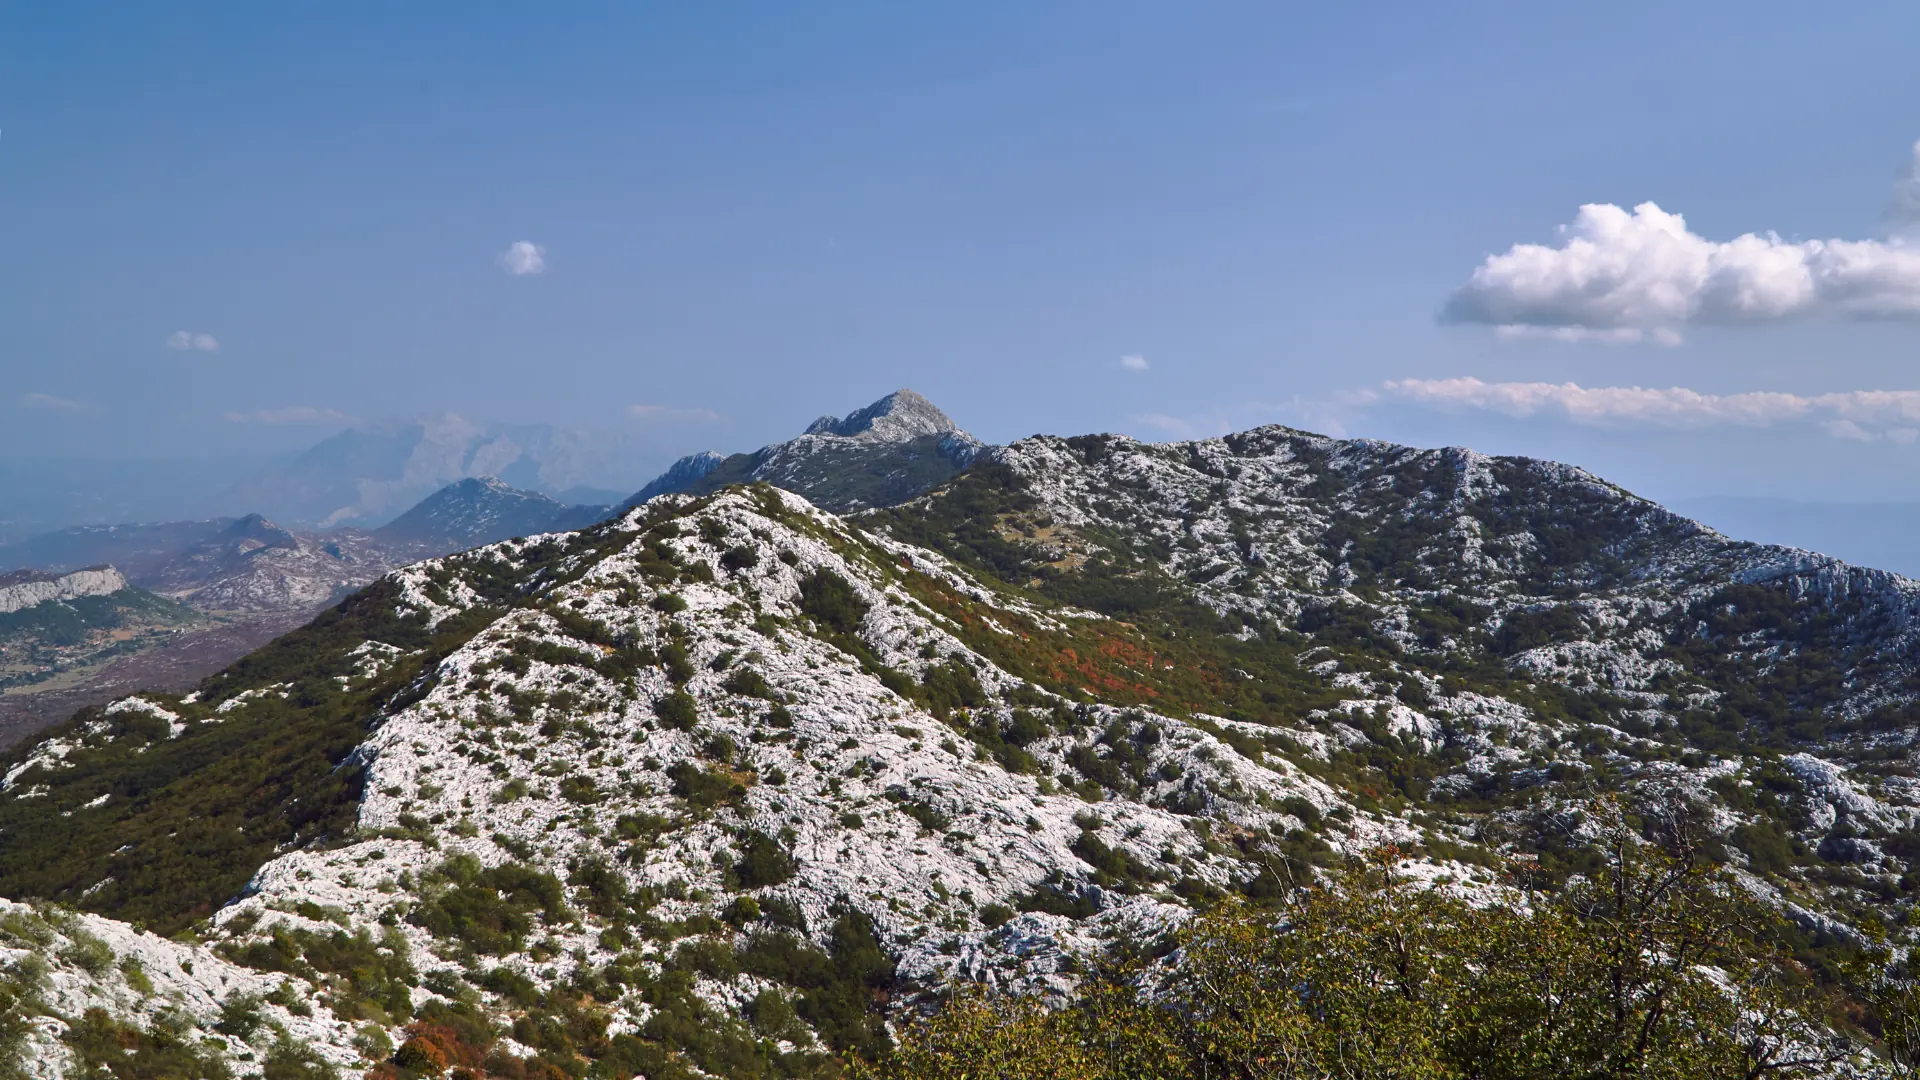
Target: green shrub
[832, 602]
[86, 952]
[740, 911]
[678, 711]
[1657, 965]
[763, 862]
[702, 789]
[106, 1047]
[679, 668]
[1767, 846]
[748, 683]
[492, 910]
[951, 685]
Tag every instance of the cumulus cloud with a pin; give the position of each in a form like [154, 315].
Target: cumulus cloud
[1172, 425]
[523, 258]
[668, 412]
[291, 414]
[1619, 275]
[1853, 414]
[51, 403]
[1134, 362]
[183, 340]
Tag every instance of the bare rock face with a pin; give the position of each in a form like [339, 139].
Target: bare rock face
[901, 416]
[26, 588]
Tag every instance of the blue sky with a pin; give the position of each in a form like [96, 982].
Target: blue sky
[230, 228]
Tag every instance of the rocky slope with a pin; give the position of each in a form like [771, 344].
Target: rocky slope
[257, 578]
[682, 475]
[727, 782]
[886, 453]
[29, 588]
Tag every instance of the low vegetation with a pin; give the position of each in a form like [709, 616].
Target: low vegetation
[1657, 965]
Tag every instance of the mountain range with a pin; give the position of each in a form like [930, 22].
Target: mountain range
[257, 579]
[729, 784]
[243, 581]
[370, 472]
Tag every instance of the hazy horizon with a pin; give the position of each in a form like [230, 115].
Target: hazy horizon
[698, 229]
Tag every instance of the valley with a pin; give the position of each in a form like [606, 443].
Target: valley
[246, 580]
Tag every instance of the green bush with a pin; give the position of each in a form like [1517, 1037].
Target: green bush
[490, 911]
[748, 683]
[763, 862]
[832, 602]
[702, 789]
[1657, 966]
[678, 711]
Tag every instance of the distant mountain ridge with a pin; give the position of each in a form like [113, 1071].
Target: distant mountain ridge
[899, 447]
[371, 472]
[136, 550]
[256, 576]
[682, 475]
[482, 510]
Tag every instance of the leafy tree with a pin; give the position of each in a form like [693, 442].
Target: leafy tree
[1657, 966]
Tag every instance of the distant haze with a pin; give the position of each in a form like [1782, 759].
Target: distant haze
[363, 475]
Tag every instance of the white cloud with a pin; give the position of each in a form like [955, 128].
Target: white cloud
[51, 403]
[1853, 414]
[1134, 362]
[292, 414]
[1664, 335]
[523, 258]
[183, 340]
[668, 412]
[1617, 275]
[1172, 425]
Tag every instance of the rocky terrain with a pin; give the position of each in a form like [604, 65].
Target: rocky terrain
[31, 588]
[252, 580]
[886, 453]
[728, 783]
[57, 629]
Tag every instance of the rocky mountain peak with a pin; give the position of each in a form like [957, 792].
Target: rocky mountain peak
[892, 450]
[255, 530]
[680, 475]
[899, 417]
[481, 510]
